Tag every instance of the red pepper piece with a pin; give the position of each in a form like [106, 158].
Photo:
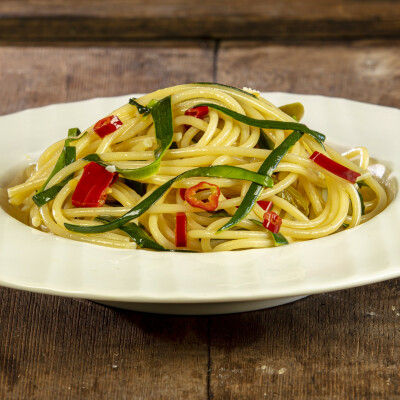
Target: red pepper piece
[107, 125]
[212, 204]
[265, 204]
[332, 166]
[272, 221]
[181, 230]
[182, 193]
[91, 190]
[198, 112]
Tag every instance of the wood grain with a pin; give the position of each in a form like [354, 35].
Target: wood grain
[79, 73]
[337, 346]
[124, 20]
[367, 71]
[57, 348]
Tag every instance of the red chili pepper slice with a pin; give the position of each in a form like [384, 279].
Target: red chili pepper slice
[272, 221]
[265, 204]
[332, 166]
[182, 193]
[107, 125]
[198, 112]
[212, 204]
[181, 230]
[91, 190]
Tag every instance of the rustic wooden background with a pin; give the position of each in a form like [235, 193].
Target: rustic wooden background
[340, 345]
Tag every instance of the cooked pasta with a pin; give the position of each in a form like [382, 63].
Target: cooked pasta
[198, 167]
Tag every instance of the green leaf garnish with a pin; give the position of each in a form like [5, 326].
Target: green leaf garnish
[73, 132]
[66, 157]
[141, 109]
[49, 194]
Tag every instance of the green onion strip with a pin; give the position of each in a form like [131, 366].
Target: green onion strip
[67, 157]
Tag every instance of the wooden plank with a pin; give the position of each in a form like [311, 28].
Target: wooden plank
[60, 348]
[71, 74]
[364, 71]
[122, 20]
[341, 345]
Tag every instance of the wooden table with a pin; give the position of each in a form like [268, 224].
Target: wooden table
[340, 345]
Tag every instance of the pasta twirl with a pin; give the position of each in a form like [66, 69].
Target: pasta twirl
[234, 170]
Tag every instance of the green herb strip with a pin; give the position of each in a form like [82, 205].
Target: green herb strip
[267, 168]
[67, 157]
[49, 194]
[74, 132]
[267, 124]
[218, 171]
[60, 164]
[161, 112]
[279, 239]
[44, 196]
[141, 109]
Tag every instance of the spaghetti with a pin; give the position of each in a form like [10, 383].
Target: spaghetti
[198, 167]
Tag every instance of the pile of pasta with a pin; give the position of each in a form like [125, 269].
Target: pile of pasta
[308, 198]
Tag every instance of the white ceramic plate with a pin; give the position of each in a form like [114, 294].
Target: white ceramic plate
[201, 283]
